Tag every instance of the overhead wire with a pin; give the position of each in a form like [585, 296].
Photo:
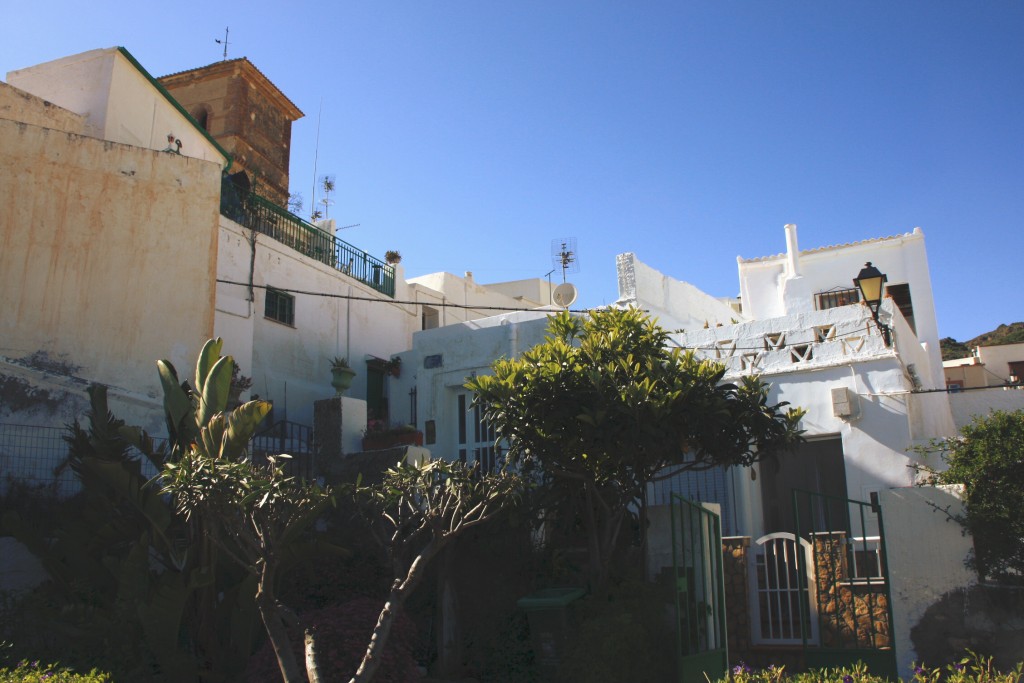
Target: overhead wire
[371, 299]
[505, 309]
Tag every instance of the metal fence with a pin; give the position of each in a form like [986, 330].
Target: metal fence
[34, 457]
[286, 437]
[262, 215]
[704, 486]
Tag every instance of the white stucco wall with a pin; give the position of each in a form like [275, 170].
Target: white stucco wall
[291, 365]
[456, 297]
[926, 551]
[465, 349]
[119, 102]
[889, 418]
[770, 290]
[529, 293]
[967, 405]
[676, 304]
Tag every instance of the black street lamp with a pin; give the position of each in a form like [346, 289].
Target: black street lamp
[871, 283]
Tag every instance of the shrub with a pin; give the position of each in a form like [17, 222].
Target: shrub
[988, 459]
[34, 672]
[972, 668]
[623, 631]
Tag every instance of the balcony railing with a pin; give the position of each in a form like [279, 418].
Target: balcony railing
[263, 216]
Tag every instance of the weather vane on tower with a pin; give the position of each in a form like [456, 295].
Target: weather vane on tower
[223, 42]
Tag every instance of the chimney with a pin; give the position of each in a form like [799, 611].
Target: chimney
[792, 251]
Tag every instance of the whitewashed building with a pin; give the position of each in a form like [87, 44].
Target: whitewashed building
[123, 240]
[991, 378]
[867, 401]
[868, 398]
[799, 327]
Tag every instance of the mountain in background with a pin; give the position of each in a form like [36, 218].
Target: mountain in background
[1004, 334]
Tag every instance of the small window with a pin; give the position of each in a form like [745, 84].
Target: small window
[202, 116]
[1016, 371]
[901, 297]
[476, 436]
[834, 298]
[431, 318]
[280, 306]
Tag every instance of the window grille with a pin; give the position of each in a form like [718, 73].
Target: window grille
[834, 298]
[280, 306]
[476, 436]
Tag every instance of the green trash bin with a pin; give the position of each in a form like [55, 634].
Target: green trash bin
[550, 619]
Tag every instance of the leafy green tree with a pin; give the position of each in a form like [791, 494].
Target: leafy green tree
[254, 513]
[251, 512]
[606, 405]
[987, 458]
[416, 511]
[124, 555]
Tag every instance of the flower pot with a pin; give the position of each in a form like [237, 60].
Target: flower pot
[376, 441]
[341, 379]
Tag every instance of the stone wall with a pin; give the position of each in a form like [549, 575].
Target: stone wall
[851, 615]
[735, 552]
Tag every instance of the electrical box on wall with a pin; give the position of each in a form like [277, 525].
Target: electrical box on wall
[845, 403]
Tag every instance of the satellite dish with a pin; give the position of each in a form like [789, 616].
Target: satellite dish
[564, 295]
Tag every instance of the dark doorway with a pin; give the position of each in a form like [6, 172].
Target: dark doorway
[816, 466]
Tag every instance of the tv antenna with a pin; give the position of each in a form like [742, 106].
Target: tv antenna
[327, 185]
[223, 42]
[564, 255]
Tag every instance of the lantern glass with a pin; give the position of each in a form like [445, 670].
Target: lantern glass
[871, 283]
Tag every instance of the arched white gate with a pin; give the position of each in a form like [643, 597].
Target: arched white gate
[775, 586]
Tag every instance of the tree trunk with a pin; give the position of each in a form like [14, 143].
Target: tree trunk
[312, 668]
[449, 633]
[591, 526]
[273, 620]
[643, 532]
[400, 591]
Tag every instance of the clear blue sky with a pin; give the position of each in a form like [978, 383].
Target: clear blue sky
[468, 135]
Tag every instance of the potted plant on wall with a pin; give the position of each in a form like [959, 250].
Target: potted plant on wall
[394, 366]
[341, 375]
[392, 257]
[379, 435]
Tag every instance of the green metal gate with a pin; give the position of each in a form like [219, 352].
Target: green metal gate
[852, 591]
[700, 591]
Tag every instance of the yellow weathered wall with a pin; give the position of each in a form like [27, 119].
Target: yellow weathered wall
[107, 254]
[18, 105]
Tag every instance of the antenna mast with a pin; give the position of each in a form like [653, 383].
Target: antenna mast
[316, 151]
[564, 255]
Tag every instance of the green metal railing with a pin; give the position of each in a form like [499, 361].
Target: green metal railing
[263, 216]
[700, 591]
[852, 588]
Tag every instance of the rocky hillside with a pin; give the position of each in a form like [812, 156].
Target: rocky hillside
[1004, 334]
